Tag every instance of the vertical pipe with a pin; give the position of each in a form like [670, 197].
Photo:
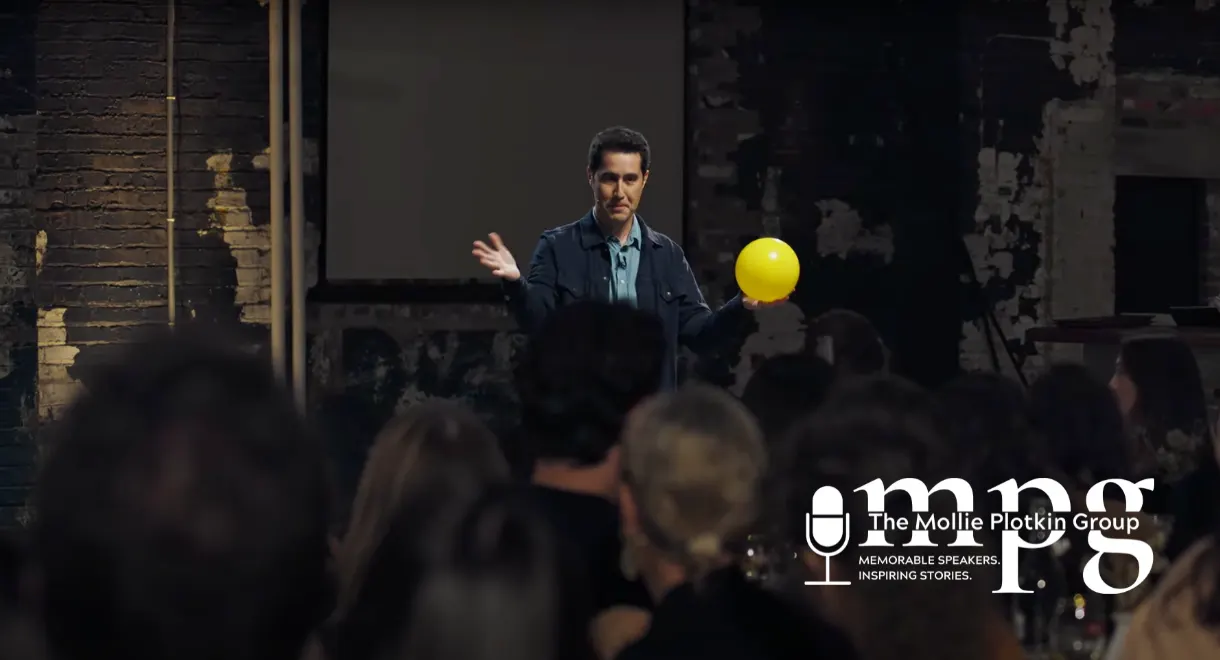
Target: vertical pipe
[296, 180]
[171, 279]
[276, 99]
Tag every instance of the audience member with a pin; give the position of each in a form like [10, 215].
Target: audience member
[1160, 393]
[184, 512]
[784, 389]
[849, 342]
[181, 513]
[989, 432]
[493, 590]
[693, 463]
[583, 371]
[1180, 620]
[1079, 420]
[884, 428]
[435, 452]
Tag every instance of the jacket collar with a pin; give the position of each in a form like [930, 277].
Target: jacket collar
[591, 235]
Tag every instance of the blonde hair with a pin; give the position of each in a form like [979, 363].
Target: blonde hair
[430, 442]
[694, 460]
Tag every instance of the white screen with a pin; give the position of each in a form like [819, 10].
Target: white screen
[450, 120]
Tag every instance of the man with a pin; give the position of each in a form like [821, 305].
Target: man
[612, 255]
[580, 374]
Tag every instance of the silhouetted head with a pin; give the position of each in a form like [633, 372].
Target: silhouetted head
[848, 341]
[430, 445]
[582, 372]
[1078, 418]
[493, 590]
[182, 512]
[1160, 393]
[693, 462]
[883, 428]
[786, 388]
[988, 428]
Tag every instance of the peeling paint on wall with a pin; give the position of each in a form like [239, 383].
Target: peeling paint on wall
[841, 232]
[40, 250]
[780, 330]
[56, 388]
[1005, 205]
[1084, 50]
[313, 236]
[1009, 220]
[249, 244]
[1054, 200]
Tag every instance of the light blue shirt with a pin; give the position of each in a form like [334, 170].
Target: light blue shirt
[624, 265]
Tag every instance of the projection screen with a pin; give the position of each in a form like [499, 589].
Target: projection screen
[450, 120]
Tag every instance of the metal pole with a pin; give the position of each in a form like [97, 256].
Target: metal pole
[297, 190]
[171, 279]
[276, 97]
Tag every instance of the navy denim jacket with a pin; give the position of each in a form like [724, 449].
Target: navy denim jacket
[571, 263]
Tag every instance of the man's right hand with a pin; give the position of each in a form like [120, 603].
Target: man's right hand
[497, 258]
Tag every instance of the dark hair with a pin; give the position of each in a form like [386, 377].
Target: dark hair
[584, 370]
[857, 347]
[785, 389]
[1078, 417]
[182, 511]
[1169, 387]
[622, 140]
[1170, 398]
[986, 417]
[885, 428]
[496, 591]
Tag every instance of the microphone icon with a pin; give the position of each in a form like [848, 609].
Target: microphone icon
[827, 529]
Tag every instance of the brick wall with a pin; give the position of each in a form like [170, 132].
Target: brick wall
[101, 186]
[18, 347]
[1048, 114]
[869, 142]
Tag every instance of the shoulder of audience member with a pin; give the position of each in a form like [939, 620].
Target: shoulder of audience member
[1165, 626]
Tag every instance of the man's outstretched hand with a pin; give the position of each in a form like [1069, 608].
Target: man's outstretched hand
[497, 258]
[751, 303]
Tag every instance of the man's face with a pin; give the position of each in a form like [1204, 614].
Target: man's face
[618, 185]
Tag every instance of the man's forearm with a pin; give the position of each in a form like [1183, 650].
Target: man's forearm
[709, 329]
[526, 305]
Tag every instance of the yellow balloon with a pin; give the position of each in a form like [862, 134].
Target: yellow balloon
[767, 270]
